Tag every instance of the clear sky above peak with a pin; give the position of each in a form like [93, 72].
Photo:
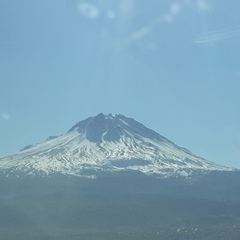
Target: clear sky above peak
[171, 65]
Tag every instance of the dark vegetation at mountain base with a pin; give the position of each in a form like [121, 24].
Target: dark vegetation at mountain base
[213, 185]
[124, 205]
[72, 217]
[208, 233]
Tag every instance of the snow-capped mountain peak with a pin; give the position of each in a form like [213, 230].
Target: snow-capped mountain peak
[111, 128]
[108, 143]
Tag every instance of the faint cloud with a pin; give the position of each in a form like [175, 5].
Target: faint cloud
[217, 35]
[137, 35]
[174, 10]
[168, 18]
[5, 116]
[111, 14]
[88, 10]
[140, 33]
[203, 5]
[126, 6]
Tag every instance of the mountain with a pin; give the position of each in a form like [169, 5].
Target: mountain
[110, 177]
[107, 143]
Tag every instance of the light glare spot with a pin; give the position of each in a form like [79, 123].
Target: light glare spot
[126, 7]
[168, 18]
[111, 14]
[175, 8]
[5, 116]
[202, 5]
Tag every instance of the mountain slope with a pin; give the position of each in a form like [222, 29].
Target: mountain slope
[107, 143]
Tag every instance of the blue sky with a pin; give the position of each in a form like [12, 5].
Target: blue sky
[172, 65]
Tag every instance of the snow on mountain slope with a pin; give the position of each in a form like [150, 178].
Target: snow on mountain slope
[107, 143]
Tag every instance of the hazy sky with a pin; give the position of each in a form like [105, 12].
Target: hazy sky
[172, 65]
